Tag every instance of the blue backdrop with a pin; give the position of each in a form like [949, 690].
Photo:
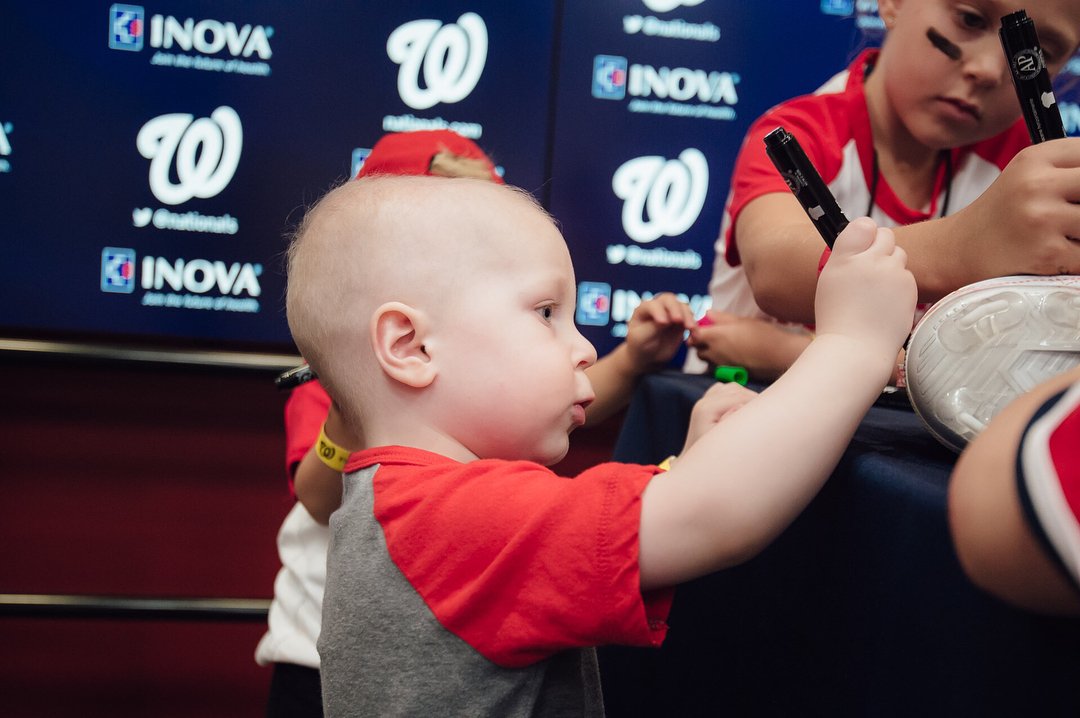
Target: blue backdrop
[153, 157]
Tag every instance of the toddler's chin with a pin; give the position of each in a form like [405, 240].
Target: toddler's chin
[553, 455]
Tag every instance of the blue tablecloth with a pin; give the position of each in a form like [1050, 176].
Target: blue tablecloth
[859, 609]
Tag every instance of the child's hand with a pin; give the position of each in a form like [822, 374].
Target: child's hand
[865, 292]
[655, 331]
[1027, 221]
[763, 348]
[716, 404]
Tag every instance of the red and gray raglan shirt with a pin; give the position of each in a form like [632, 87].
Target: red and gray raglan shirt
[480, 588]
[833, 127]
[1048, 478]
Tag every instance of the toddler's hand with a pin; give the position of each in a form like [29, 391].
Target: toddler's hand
[865, 291]
[716, 404]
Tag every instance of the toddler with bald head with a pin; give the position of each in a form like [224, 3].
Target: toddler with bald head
[464, 577]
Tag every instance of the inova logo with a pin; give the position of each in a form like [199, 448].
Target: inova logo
[201, 276]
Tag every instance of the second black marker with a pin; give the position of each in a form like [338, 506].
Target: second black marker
[806, 184]
[1028, 67]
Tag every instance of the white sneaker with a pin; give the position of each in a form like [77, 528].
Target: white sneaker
[985, 344]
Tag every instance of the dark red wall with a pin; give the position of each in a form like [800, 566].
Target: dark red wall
[144, 480]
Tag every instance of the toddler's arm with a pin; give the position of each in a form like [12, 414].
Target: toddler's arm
[743, 482]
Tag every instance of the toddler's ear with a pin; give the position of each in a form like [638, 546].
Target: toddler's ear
[397, 335]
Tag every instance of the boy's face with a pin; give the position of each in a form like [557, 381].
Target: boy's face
[949, 99]
[511, 361]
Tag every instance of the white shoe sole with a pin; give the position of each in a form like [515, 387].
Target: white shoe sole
[985, 344]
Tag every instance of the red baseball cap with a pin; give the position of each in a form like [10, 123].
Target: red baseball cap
[410, 153]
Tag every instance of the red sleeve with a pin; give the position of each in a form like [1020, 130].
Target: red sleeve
[305, 412]
[1064, 449]
[1048, 478]
[521, 563]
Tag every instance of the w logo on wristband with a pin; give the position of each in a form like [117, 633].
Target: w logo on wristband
[330, 453]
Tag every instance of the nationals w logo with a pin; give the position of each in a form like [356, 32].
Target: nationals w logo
[448, 58]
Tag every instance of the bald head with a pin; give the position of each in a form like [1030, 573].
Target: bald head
[388, 238]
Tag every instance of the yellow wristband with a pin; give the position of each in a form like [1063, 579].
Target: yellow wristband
[330, 453]
[666, 463]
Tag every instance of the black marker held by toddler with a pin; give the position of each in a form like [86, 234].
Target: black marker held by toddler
[1024, 55]
[806, 184]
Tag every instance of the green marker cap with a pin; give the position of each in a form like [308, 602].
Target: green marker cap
[736, 374]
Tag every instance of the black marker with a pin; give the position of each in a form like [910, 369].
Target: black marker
[294, 377]
[806, 184]
[1032, 81]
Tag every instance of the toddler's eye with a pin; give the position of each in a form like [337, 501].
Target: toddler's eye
[546, 312]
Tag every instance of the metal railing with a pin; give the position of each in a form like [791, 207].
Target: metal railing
[33, 605]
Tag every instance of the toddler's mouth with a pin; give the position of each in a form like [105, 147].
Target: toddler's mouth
[578, 411]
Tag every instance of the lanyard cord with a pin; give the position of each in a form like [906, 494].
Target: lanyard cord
[875, 173]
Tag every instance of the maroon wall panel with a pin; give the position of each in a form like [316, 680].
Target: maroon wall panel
[137, 480]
